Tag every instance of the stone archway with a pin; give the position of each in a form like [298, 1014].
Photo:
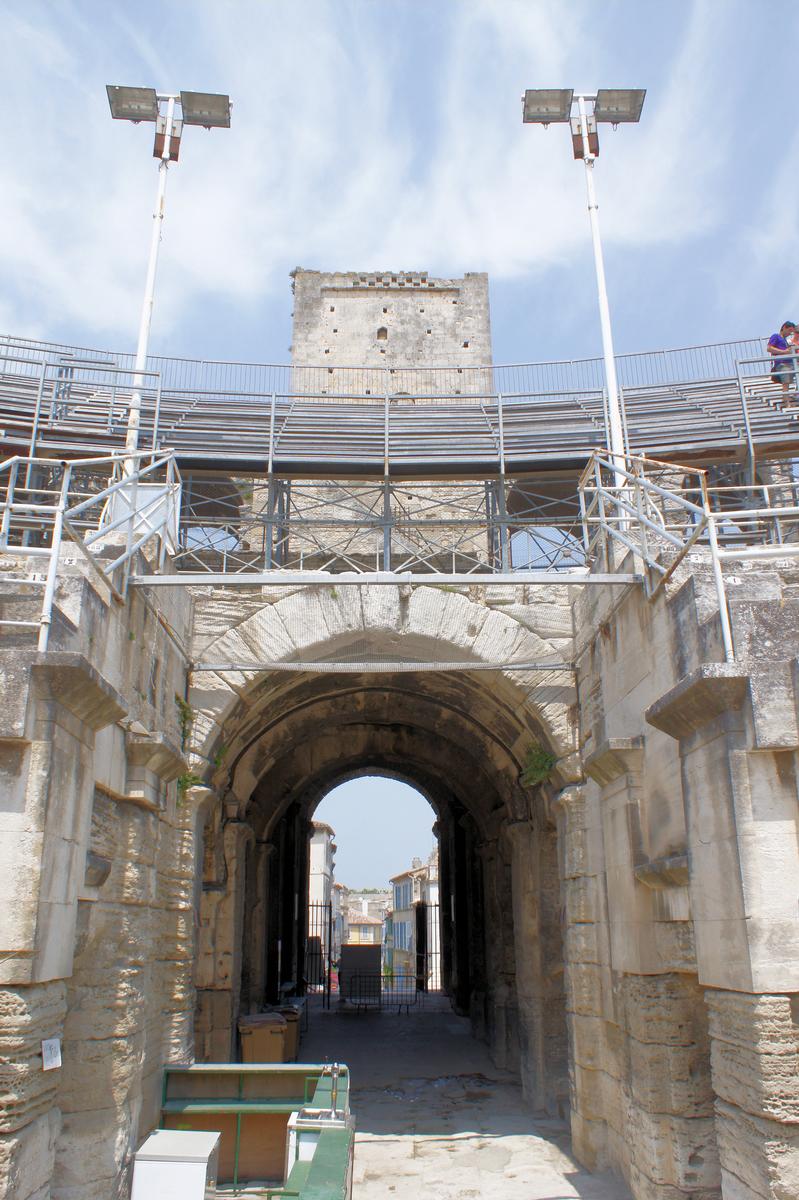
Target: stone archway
[276, 741]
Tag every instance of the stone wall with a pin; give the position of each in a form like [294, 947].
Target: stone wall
[680, 875]
[630, 923]
[98, 874]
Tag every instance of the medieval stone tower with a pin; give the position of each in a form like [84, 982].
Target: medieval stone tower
[390, 319]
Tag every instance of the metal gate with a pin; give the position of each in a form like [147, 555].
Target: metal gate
[428, 947]
[319, 951]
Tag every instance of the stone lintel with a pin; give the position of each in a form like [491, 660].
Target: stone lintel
[69, 679]
[615, 757]
[135, 798]
[709, 691]
[155, 752]
[671, 872]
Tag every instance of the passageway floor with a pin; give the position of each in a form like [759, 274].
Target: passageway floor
[435, 1118]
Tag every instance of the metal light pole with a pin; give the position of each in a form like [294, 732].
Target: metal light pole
[615, 106]
[145, 104]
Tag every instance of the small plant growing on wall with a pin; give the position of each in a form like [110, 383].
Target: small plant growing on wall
[185, 718]
[186, 781]
[538, 765]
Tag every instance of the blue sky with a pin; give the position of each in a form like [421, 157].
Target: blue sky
[381, 825]
[371, 134]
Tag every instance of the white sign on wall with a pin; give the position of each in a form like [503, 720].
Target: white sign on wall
[51, 1054]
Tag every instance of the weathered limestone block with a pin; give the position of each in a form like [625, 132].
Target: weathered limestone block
[26, 1158]
[664, 1009]
[675, 1151]
[27, 1016]
[671, 1079]
[100, 1073]
[583, 899]
[759, 1158]
[94, 1152]
[581, 944]
[584, 989]
[755, 1053]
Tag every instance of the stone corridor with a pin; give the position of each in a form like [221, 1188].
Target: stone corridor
[435, 1117]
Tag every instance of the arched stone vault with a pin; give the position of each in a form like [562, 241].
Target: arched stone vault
[505, 709]
[272, 743]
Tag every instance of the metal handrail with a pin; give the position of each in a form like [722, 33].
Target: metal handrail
[145, 522]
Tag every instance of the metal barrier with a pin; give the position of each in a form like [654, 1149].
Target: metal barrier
[661, 510]
[120, 501]
[383, 991]
[648, 368]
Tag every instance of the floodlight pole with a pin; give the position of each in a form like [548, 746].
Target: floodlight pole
[615, 425]
[134, 412]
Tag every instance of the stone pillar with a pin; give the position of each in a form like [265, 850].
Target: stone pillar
[588, 985]
[129, 1007]
[256, 919]
[539, 959]
[218, 967]
[737, 735]
[500, 1000]
[529, 966]
[52, 706]
[654, 1054]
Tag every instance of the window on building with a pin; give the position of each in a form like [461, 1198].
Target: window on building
[382, 334]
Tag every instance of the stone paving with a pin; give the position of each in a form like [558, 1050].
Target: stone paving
[435, 1118]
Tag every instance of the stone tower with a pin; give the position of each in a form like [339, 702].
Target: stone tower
[401, 335]
[388, 320]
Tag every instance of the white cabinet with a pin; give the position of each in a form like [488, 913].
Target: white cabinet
[176, 1164]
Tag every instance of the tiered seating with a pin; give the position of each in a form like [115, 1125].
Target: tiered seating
[353, 435]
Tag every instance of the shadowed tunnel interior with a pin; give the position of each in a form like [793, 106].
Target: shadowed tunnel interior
[459, 738]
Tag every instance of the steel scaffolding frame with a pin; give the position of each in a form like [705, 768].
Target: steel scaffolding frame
[636, 531]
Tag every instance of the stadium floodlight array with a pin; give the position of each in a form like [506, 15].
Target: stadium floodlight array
[545, 106]
[136, 104]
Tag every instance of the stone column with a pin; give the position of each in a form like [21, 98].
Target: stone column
[654, 1055]
[500, 1001]
[539, 965]
[529, 965]
[218, 967]
[52, 706]
[588, 984]
[737, 735]
[129, 1008]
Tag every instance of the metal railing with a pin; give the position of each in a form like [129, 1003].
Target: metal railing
[661, 511]
[381, 421]
[383, 991]
[644, 368]
[119, 504]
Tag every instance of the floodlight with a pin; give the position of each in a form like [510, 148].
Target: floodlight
[132, 103]
[543, 106]
[205, 108]
[618, 105]
[613, 106]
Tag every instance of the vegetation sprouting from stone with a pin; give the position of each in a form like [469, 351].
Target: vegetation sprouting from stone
[185, 718]
[186, 781]
[538, 765]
